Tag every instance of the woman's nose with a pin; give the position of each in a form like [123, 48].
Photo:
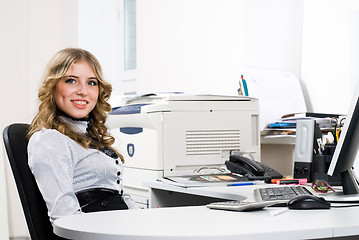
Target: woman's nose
[81, 89]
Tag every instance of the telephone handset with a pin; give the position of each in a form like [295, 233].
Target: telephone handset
[252, 169]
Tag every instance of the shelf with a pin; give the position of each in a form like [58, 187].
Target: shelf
[278, 139]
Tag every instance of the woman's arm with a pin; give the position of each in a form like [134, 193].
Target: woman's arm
[51, 162]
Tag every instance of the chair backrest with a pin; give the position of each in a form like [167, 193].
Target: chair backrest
[33, 204]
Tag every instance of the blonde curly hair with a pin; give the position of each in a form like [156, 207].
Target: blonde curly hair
[48, 115]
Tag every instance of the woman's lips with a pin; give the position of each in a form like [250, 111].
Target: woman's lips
[80, 103]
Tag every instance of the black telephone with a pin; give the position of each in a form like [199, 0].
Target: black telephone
[252, 169]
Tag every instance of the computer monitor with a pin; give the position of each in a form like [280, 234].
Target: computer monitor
[347, 149]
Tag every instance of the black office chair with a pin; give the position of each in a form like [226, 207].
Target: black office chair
[33, 204]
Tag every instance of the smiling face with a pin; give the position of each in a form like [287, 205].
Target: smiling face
[76, 94]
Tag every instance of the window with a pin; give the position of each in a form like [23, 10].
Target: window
[130, 34]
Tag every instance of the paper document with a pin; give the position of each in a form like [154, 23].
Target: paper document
[278, 93]
[204, 180]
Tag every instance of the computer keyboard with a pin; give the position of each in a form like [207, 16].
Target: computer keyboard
[265, 197]
[283, 193]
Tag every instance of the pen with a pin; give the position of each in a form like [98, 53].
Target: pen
[320, 145]
[245, 88]
[241, 184]
[240, 92]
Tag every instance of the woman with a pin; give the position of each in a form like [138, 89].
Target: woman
[69, 149]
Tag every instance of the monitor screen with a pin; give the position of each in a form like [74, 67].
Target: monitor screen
[347, 149]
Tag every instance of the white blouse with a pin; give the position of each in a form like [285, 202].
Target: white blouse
[62, 167]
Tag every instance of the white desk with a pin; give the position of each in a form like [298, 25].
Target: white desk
[197, 223]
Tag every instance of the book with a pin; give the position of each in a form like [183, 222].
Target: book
[282, 125]
[309, 114]
[205, 180]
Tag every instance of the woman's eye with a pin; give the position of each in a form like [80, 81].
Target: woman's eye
[70, 80]
[92, 83]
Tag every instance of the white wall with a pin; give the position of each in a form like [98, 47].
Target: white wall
[272, 35]
[201, 45]
[4, 223]
[186, 45]
[32, 31]
[328, 46]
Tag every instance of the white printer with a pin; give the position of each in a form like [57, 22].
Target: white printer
[176, 134]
